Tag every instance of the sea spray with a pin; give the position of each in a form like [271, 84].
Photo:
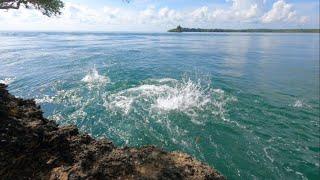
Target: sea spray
[163, 96]
[7, 80]
[153, 104]
[94, 78]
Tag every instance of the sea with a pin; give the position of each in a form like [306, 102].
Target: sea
[246, 104]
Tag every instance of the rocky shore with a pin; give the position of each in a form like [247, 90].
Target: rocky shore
[33, 147]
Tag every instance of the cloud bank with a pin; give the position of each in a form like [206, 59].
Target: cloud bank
[283, 12]
[247, 13]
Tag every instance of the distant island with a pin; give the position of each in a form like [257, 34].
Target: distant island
[182, 29]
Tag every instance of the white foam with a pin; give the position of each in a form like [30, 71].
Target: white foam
[57, 117]
[7, 80]
[165, 80]
[120, 102]
[69, 97]
[184, 96]
[298, 104]
[93, 77]
[267, 154]
[44, 99]
[123, 100]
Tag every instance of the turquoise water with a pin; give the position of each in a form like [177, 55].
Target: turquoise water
[247, 104]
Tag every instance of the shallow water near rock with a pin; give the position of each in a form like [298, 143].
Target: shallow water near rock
[247, 104]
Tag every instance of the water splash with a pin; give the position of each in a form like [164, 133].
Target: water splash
[44, 99]
[94, 78]
[300, 104]
[164, 96]
[7, 80]
[182, 97]
[155, 107]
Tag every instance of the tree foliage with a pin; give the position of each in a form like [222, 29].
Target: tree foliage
[47, 7]
[178, 29]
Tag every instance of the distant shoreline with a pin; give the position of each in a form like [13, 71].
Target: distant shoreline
[181, 29]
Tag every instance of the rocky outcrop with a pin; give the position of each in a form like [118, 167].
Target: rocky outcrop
[33, 147]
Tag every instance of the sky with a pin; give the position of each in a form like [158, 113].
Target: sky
[161, 15]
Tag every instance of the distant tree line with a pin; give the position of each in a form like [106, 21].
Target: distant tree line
[181, 29]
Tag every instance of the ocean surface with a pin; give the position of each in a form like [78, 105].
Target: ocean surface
[247, 104]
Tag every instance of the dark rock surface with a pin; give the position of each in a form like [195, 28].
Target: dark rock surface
[32, 147]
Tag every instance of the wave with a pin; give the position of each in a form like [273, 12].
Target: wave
[300, 104]
[162, 96]
[182, 97]
[45, 99]
[7, 80]
[94, 78]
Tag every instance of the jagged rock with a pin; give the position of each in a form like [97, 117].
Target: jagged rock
[33, 147]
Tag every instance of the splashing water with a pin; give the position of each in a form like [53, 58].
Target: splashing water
[182, 97]
[94, 78]
[300, 104]
[153, 103]
[7, 80]
[163, 96]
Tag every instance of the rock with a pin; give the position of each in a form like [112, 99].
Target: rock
[33, 147]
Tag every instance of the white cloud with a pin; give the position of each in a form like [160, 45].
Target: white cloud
[240, 10]
[81, 17]
[154, 16]
[201, 14]
[245, 9]
[282, 12]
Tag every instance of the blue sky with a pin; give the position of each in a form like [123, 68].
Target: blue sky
[177, 4]
[160, 15]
